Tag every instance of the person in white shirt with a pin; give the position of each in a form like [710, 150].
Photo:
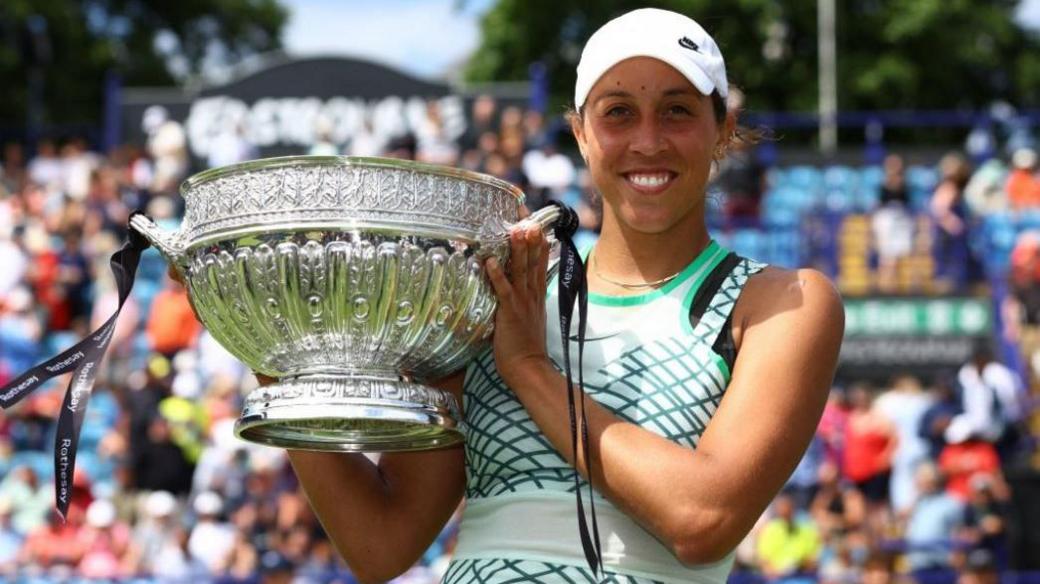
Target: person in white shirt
[990, 395]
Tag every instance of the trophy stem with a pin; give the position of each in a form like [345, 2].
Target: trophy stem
[349, 414]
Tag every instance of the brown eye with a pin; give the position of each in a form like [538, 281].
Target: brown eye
[617, 111]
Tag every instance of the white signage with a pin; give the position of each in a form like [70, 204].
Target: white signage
[298, 121]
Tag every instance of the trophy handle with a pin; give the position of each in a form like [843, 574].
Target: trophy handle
[169, 243]
[546, 218]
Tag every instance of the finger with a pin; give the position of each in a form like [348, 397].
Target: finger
[534, 258]
[503, 289]
[524, 212]
[541, 271]
[518, 259]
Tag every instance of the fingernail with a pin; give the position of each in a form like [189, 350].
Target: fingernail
[492, 263]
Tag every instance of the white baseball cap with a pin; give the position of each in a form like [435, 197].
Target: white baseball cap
[650, 32]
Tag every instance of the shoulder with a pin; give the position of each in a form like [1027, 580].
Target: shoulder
[803, 296]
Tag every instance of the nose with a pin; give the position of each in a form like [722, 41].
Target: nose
[647, 138]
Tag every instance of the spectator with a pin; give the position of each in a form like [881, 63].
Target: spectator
[839, 564]
[366, 141]
[948, 213]
[1021, 306]
[990, 395]
[242, 563]
[966, 457]
[1023, 186]
[323, 144]
[904, 405]
[788, 547]
[930, 526]
[893, 225]
[54, 545]
[985, 193]
[980, 567]
[168, 146]
[434, 144]
[172, 326]
[833, 425]
[30, 500]
[230, 146]
[45, 168]
[985, 527]
[805, 480]
[837, 508]
[482, 120]
[74, 276]
[549, 172]
[12, 256]
[106, 541]
[20, 332]
[944, 407]
[77, 165]
[211, 542]
[870, 442]
[10, 541]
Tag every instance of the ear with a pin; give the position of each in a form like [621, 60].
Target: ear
[726, 133]
[578, 129]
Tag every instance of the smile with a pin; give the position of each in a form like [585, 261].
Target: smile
[650, 181]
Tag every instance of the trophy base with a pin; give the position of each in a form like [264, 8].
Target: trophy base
[349, 414]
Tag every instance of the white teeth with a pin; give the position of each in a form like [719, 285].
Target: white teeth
[648, 180]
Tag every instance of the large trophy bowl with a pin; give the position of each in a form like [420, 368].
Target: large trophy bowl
[348, 280]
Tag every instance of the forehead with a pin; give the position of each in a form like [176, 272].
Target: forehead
[644, 75]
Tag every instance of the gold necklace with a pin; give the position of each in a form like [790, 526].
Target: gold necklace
[627, 285]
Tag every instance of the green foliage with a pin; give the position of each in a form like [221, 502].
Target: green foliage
[88, 38]
[921, 54]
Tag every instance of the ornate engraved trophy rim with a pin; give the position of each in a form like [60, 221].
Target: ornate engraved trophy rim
[196, 180]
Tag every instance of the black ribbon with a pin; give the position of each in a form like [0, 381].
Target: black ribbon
[573, 288]
[82, 360]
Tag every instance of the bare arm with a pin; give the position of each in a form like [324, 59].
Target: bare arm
[381, 518]
[701, 502]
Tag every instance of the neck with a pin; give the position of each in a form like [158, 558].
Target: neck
[626, 255]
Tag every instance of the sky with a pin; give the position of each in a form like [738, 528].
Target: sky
[423, 37]
[427, 38]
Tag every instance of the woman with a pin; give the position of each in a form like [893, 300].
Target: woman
[949, 216]
[681, 472]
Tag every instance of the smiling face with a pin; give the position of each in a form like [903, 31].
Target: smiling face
[648, 137]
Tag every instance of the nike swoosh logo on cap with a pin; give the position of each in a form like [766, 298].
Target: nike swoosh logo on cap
[686, 43]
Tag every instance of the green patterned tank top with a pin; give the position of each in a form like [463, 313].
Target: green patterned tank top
[647, 362]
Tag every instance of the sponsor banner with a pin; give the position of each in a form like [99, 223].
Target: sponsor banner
[922, 336]
[918, 317]
[286, 105]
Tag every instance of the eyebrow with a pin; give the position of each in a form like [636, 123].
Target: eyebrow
[668, 93]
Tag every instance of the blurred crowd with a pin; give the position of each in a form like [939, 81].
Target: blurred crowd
[901, 479]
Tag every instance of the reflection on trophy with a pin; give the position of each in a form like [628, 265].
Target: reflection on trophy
[350, 281]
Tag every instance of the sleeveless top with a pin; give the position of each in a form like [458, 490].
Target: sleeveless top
[655, 359]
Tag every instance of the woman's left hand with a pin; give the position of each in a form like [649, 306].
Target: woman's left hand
[519, 339]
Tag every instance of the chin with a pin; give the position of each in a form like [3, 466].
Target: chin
[649, 225]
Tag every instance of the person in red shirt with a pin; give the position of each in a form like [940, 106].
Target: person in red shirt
[171, 323]
[966, 457]
[1023, 186]
[870, 441]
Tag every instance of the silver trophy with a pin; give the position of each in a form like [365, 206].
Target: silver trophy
[350, 281]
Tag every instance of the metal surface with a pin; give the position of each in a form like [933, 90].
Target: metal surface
[350, 281]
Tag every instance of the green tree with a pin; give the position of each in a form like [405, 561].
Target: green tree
[923, 54]
[66, 47]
